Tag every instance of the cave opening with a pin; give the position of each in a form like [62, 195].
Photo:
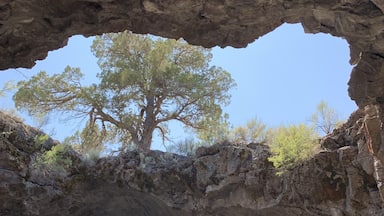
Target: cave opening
[281, 77]
[29, 30]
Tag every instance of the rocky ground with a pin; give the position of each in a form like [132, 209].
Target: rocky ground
[220, 180]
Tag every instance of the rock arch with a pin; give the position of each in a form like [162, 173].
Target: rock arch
[29, 29]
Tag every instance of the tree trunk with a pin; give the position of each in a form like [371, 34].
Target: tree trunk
[149, 124]
[146, 141]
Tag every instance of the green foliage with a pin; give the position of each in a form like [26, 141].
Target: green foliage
[42, 93]
[56, 159]
[41, 139]
[325, 119]
[145, 82]
[253, 132]
[163, 79]
[292, 144]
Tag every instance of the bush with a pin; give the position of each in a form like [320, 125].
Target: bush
[58, 158]
[40, 140]
[290, 145]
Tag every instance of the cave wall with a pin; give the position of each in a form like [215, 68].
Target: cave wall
[223, 179]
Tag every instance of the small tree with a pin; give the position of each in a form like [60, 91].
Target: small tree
[325, 119]
[292, 144]
[253, 132]
[144, 83]
[58, 159]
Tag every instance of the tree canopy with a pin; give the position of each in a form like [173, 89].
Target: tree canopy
[145, 82]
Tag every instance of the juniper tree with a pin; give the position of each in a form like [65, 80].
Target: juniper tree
[145, 82]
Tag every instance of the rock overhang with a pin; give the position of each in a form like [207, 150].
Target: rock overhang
[29, 29]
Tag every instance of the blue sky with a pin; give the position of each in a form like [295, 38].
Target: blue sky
[281, 77]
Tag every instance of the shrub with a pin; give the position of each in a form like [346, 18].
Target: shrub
[292, 144]
[58, 158]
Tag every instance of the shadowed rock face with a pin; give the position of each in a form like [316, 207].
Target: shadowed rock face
[347, 179]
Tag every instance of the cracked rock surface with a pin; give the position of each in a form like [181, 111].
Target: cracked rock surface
[220, 180]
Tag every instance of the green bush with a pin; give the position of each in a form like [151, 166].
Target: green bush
[292, 144]
[57, 158]
[40, 140]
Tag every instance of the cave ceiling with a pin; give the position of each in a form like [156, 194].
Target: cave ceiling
[29, 29]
